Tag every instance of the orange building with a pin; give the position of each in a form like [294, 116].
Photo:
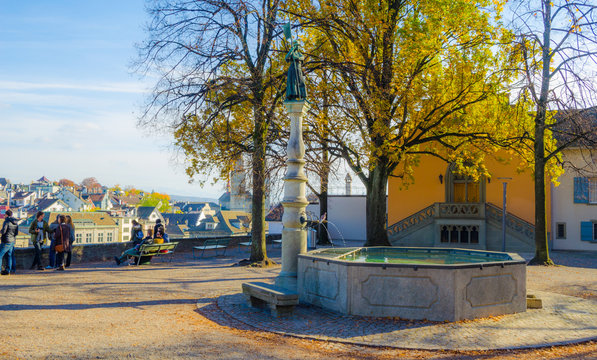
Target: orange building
[442, 208]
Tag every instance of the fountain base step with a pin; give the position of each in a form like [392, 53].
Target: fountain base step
[533, 302]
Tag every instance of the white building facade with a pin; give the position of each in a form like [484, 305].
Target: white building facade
[574, 204]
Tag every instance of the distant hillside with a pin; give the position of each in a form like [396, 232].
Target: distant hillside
[192, 198]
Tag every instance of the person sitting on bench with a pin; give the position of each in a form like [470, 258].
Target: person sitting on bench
[159, 236]
[135, 250]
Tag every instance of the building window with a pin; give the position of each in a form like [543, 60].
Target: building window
[125, 238]
[459, 234]
[100, 237]
[78, 238]
[463, 189]
[88, 238]
[585, 190]
[126, 230]
[593, 190]
[110, 237]
[560, 230]
[588, 230]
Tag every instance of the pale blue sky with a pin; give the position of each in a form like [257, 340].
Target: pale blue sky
[69, 102]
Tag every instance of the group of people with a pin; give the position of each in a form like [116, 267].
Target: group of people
[60, 233]
[157, 236]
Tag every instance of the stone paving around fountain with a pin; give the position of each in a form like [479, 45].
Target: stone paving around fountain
[563, 319]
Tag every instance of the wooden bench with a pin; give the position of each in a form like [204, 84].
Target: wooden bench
[245, 244]
[280, 301]
[155, 250]
[212, 244]
[250, 242]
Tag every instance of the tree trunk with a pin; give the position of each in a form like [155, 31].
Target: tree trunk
[322, 232]
[541, 245]
[377, 234]
[258, 247]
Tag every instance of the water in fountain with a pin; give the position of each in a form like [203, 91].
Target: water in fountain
[328, 232]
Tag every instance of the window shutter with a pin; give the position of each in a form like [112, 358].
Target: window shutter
[586, 231]
[581, 190]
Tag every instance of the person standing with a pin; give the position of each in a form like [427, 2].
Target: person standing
[52, 253]
[39, 231]
[8, 236]
[69, 254]
[61, 242]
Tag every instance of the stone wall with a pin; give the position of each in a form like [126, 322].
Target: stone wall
[107, 251]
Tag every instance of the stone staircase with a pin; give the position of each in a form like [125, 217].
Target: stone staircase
[520, 234]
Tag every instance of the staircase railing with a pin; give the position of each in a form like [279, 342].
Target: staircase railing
[416, 220]
[513, 222]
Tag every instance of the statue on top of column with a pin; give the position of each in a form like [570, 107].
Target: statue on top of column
[295, 81]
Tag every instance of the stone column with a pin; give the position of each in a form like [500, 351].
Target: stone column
[294, 234]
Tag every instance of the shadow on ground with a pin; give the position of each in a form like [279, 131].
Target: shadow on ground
[124, 304]
[303, 322]
[578, 259]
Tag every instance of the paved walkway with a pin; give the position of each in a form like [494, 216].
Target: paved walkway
[564, 319]
[100, 311]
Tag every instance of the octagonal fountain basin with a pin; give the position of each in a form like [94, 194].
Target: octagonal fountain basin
[438, 284]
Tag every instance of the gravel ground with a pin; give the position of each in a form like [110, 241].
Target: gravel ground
[575, 274]
[100, 311]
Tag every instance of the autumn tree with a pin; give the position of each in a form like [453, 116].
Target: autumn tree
[131, 190]
[66, 183]
[156, 199]
[556, 43]
[414, 77]
[89, 182]
[220, 87]
[116, 188]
